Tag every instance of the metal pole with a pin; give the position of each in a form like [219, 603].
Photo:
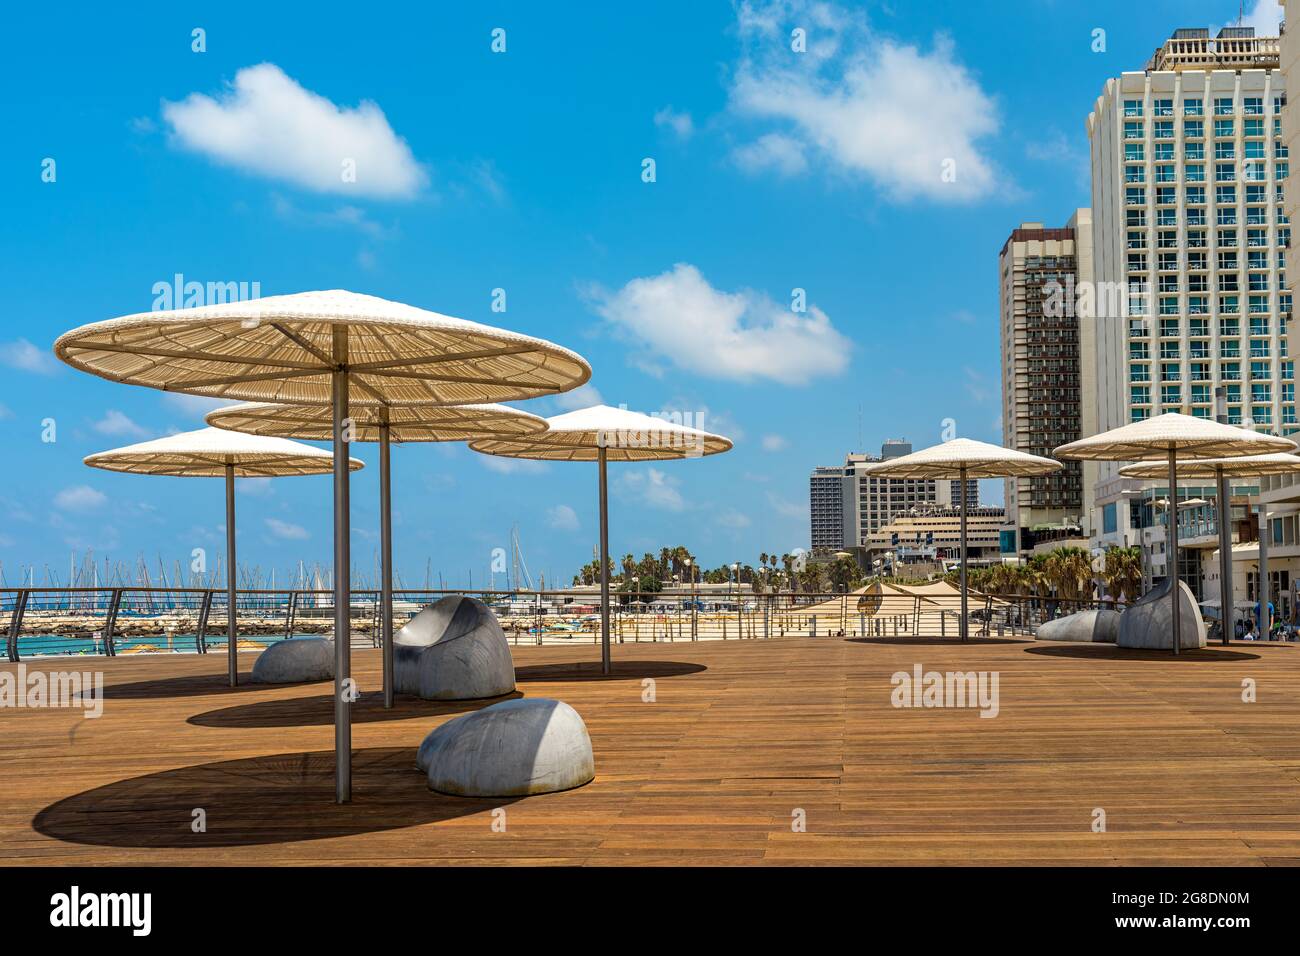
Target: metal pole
[962, 627]
[1171, 534]
[342, 574]
[1227, 603]
[232, 624]
[386, 549]
[602, 462]
[1265, 585]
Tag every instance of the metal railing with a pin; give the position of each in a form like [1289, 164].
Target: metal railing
[50, 621]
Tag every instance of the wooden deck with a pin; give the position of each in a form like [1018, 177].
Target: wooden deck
[739, 737]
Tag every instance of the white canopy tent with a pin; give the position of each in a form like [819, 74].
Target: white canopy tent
[1167, 437]
[217, 453]
[334, 348]
[604, 434]
[384, 424]
[964, 459]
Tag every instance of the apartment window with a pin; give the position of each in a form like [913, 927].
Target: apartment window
[1200, 393]
[1135, 217]
[1133, 130]
[1162, 129]
[1195, 238]
[1198, 328]
[1256, 194]
[1226, 216]
[1165, 174]
[1222, 194]
[1132, 107]
[1261, 392]
[1252, 106]
[1194, 173]
[1138, 350]
[1171, 394]
[1262, 414]
[1225, 173]
[1139, 394]
[1254, 149]
[1135, 174]
[1222, 127]
[1163, 108]
[1163, 152]
[1197, 305]
[1137, 262]
[1170, 373]
[1228, 304]
[1256, 238]
[1258, 324]
[1168, 328]
[1138, 414]
[1165, 196]
[1134, 152]
[1136, 196]
[1196, 260]
[1194, 151]
[1281, 171]
[1228, 237]
[1225, 150]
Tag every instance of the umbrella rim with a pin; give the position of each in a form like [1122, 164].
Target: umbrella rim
[908, 466]
[551, 444]
[362, 431]
[1197, 467]
[139, 459]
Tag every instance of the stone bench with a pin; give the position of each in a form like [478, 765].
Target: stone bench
[300, 660]
[453, 650]
[1100, 626]
[511, 749]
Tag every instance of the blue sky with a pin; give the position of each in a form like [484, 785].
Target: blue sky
[775, 170]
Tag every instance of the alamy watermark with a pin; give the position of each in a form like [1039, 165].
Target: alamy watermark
[921, 688]
[682, 431]
[85, 689]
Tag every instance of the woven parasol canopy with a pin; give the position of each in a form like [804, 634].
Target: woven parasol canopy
[217, 453]
[383, 424]
[603, 434]
[282, 349]
[964, 459]
[334, 348]
[1169, 437]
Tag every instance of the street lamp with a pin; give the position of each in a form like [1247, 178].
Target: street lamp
[691, 573]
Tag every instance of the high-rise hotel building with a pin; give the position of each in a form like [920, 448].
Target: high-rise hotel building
[1189, 233]
[1048, 374]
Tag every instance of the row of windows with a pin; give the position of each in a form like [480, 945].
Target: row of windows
[1196, 237]
[1222, 128]
[1252, 171]
[1195, 196]
[1195, 106]
[1200, 372]
[1259, 414]
[1228, 261]
[1228, 348]
[1197, 305]
[1226, 282]
[1195, 152]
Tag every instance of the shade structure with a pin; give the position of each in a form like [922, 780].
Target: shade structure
[217, 453]
[1169, 437]
[383, 424]
[603, 434]
[336, 348]
[1247, 466]
[964, 459]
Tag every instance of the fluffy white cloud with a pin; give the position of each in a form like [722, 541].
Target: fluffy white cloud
[652, 487]
[266, 123]
[744, 336]
[287, 531]
[24, 356]
[117, 423]
[774, 443]
[909, 120]
[584, 396]
[679, 123]
[562, 518]
[732, 519]
[1265, 16]
[79, 498]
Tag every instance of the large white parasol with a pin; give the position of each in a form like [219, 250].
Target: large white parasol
[603, 434]
[216, 453]
[384, 424]
[1248, 466]
[1168, 437]
[964, 459]
[335, 348]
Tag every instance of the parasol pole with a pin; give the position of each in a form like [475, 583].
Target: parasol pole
[602, 461]
[232, 625]
[342, 574]
[1172, 518]
[963, 627]
[386, 549]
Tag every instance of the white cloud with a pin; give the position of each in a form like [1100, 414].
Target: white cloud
[650, 486]
[744, 336]
[562, 518]
[256, 487]
[584, 396]
[196, 405]
[25, 357]
[680, 123]
[118, 424]
[786, 508]
[1265, 16]
[774, 443]
[773, 151]
[512, 466]
[866, 104]
[266, 123]
[977, 386]
[79, 498]
[287, 531]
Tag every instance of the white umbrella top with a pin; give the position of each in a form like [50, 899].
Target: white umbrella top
[980, 459]
[280, 349]
[206, 453]
[625, 436]
[1188, 436]
[407, 423]
[1249, 466]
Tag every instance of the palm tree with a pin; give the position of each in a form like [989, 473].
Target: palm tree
[1122, 573]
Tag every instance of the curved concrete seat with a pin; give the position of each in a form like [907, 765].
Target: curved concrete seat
[1099, 626]
[510, 749]
[453, 650]
[1148, 625]
[298, 661]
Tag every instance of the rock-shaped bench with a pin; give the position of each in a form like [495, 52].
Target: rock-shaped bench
[511, 749]
[1148, 624]
[453, 650]
[1099, 626]
[300, 660]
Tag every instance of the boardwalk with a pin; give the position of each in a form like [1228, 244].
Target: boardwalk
[740, 736]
